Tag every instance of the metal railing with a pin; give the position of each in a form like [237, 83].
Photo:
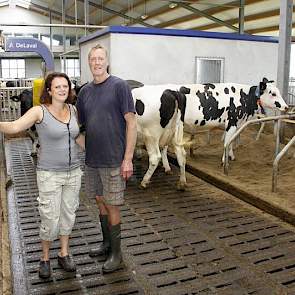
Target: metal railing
[277, 153]
[9, 109]
[276, 164]
[291, 98]
[21, 82]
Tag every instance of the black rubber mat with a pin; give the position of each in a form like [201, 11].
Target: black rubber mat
[201, 241]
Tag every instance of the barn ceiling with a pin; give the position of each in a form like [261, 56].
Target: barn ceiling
[261, 17]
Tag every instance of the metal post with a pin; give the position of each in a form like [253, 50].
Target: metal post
[86, 15]
[286, 10]
[241, 16]
[76, 22]
[63, 18]
[276, 164]
[277, 125]
[237, 133]
[50, 29]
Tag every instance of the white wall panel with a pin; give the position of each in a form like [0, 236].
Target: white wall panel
[169, 59]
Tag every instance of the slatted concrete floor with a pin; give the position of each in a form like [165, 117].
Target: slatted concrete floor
[201, 241]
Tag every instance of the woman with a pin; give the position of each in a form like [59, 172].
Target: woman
[58, 167]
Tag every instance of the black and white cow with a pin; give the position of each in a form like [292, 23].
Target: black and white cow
[160, 113]
[206, 106]
[26, 102]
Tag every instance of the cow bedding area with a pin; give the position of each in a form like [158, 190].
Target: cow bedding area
[252, 168]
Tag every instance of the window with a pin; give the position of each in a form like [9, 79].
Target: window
[209, 70]
[46, 40]
[13, 68]
[73, 67]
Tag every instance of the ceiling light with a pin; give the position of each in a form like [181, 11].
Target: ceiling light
[144, 16]
[172, 5]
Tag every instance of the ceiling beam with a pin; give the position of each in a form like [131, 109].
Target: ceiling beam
[55, 17]
[50, 3]
[206, 15]
[99, 6]
[266, 29]
[251, 17]
[70, 7]
[193, 16]
[104, 2]
[118, 13]
[210, 11]
[162, 10]
[124, 11]
[58, 15]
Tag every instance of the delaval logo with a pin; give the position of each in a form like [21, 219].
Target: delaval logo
[21, 44]
[14, 44]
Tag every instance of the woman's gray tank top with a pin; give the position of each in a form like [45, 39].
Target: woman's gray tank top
[58, 150]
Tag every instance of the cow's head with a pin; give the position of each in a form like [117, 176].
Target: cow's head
[270, 96]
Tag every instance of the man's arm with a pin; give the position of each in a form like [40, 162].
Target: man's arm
[131, 134]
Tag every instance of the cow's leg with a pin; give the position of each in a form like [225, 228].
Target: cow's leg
[35, 147]
[165, 160]
[153, 150]
[228, 135]
[180, 154]
[34, 138]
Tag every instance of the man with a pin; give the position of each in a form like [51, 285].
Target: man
[106, 109]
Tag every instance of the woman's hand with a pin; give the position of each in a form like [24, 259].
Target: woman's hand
[80, 140]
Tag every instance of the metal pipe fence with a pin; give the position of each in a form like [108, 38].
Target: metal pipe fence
[26, 82]
[9, 109]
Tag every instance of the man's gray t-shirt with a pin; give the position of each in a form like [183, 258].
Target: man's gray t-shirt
[101, 109]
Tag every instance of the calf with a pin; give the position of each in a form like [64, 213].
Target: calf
[206, 106]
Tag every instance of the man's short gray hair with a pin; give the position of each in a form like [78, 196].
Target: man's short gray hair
[98, 46]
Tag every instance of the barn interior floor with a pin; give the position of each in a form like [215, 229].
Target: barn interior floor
[250, 174]
[201, 241]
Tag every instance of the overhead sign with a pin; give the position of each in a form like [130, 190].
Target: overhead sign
[14, 44]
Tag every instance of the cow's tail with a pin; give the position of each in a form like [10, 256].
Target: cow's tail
[179, 133]
[181, 102]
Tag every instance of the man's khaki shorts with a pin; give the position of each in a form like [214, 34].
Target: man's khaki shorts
[107, 183]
